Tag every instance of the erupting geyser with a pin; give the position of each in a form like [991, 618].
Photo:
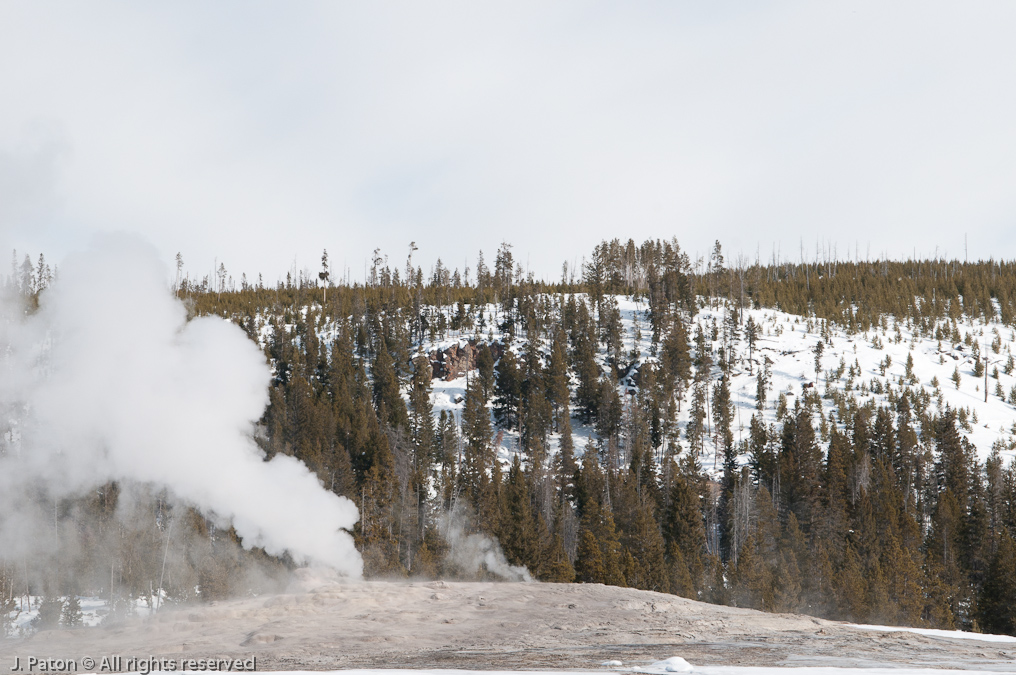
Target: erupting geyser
[109, 381]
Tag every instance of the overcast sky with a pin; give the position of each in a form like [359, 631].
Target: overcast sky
[259, 133]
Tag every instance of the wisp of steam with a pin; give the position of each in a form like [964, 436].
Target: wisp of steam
[109, 381]
[473, 552]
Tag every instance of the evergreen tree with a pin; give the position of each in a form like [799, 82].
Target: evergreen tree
[587, 393]
[478, 456]
[557, 380]
[610, 331]
[800, 464]
[520, 532]
[589, 567]
[535, 410]
[751, 332]
[71, 616]
[997, 602]
[507, 391]
[695, 429]
[610, 412]
[387, 396]
[674, 354]
[421, 429]
[684, 528]
[723, 413]
[645, 543]
[761, 387]
[485, 371]
[50, 608]
[558, 568]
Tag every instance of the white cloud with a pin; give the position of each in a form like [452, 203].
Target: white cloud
[262, 132]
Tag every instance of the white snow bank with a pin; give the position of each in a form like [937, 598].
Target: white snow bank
[704, 670]
[824, 670]
[675, 664]
[937, 632]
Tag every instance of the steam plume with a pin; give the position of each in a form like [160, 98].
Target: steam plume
[109, 381]
[473, 552]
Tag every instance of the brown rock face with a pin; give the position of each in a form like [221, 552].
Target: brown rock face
[458, 359]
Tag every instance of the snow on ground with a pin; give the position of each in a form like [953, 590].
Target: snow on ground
[814, 670]
[936, 632]
[787, 341]
[654, 669]
[93, 611]
[862, 364]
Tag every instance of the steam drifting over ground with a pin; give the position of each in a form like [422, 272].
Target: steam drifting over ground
[108, 381]
[473, 552]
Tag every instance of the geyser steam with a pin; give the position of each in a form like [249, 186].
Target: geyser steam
[109, 381]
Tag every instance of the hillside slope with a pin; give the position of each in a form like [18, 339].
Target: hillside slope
[861, 368]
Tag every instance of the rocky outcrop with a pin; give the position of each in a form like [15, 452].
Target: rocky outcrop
[453, 362]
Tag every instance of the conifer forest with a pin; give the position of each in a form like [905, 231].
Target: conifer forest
[645, 420]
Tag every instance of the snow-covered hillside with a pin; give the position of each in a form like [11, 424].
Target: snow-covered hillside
[864, 365]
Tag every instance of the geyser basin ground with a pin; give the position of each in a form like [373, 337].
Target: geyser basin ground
[504, 626]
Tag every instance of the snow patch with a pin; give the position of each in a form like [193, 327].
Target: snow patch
[937, 632]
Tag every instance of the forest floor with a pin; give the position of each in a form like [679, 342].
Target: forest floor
[504, 626]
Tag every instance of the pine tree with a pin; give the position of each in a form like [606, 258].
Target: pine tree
[324, 275]
[904, 582]
[558, 569]
[478, 456]
[674, 354]
[597, 519]
[800, 465]
[787, 583]
[507, 391]
[485, 371]
[48, 617]
[753, 579]
[27, 277]
[762, 458]
[645, 543]
[587, 393]
[602, 523]
[71, 616]
[751, 331]
[997, 601]
[681, 582]
[851, 593]
[520, 534]
[378, 502]
[683, 527]
[793, 561]
[557, 380]
[723, 412]
[421, 431]
[610, 331]
[610, 411]
[535, 411]
[565, 467]
[589, 567]
[695, 429]
[761, 387]
[387, 396]
[949, 592]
